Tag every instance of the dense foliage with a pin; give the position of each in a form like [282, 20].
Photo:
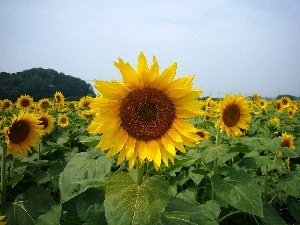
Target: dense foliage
[67, 180]
[42, 83]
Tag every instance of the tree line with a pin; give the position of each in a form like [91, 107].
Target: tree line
[42, 83]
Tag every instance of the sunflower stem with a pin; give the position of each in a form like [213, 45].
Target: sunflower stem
[215, 171]
[139, 172]
[3, 176]
[266, 181]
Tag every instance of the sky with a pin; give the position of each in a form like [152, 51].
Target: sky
[244, 46]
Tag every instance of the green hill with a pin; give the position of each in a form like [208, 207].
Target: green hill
[42, 83]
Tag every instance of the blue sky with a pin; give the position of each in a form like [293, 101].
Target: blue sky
[231, 46]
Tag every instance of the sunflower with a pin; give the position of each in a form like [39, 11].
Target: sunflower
[262, 103]
[285, 101]
[24, 102]
[234, 115]
[47, 122]
[63, 120]
[203, 134]
[2, 220]
[59, 98]
[255, 97]
[44, 104]
[142, 116]
[23, 133]
[279, 106]
[7, 104]
[274, 123]
[287, 141]
[85, 102]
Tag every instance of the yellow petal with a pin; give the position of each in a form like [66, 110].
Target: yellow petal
[142, 149]
[129, 75]
[168, 145]
[130, 146]
[166, 77]
[111, 90]
[154, 150]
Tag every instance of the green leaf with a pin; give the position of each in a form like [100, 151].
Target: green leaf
[290, 184]
[90, 207]
[212, 152]
[15, 179]
[18, 163]
[79, 172]
[91, 141]
[294, 208]
[289, 153]
[272, 144]
[271, 216]
[256, 162]
[180, 212]
[127, 203]
[26, 210]
[240, 191]
[52, 217]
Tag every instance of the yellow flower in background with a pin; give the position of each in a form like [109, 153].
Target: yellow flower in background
[142, 116]
[287, 141]
[63, 120]
[255, 97]
[47, 122]
[59, 98]
[7, 104]
[24, 102]
[234, 115]
[203, 134]
[285, 101]
[44, 105]
[279, 106]
[23, 133]
[1, 220]
[274, 123]
[85, 102]
[263, 103]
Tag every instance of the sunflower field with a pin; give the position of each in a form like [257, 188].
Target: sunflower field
[149, 150]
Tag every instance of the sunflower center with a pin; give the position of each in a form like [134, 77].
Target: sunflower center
[18, 132]
[231, 115]
[63, 120]
[86, 104]
[6, 104]
[147, 113]
[44, 122]
[200, 134]
[57, 98]
[285, 143]
[25, 102]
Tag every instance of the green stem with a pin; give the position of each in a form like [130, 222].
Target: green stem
[215, 170]
[139, 172]
[3, 176]
[266, 181]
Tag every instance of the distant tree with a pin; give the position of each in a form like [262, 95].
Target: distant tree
[292, 97]
[42, 83]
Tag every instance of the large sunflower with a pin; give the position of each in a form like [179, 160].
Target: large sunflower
[23, 133]
[234, 115]
[24, 102]
[143, 115]
[287, 141]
